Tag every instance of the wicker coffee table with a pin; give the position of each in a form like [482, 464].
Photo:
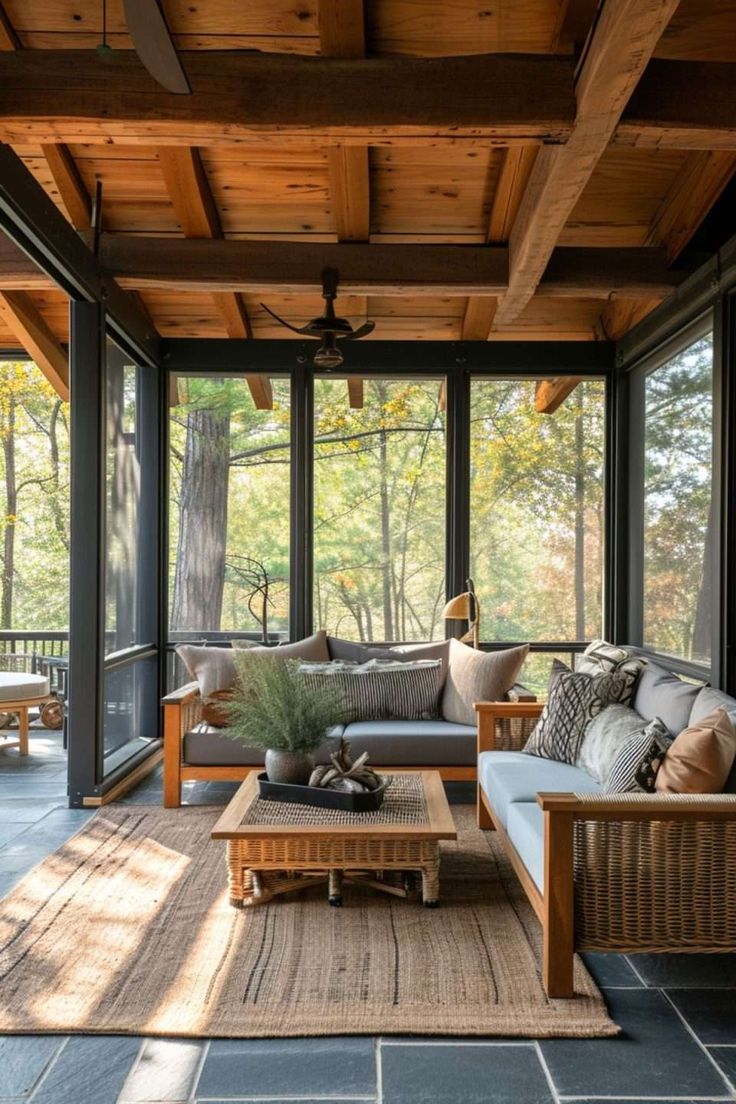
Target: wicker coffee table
[275, 848]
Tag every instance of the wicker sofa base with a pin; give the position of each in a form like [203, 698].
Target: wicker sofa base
[623, 873]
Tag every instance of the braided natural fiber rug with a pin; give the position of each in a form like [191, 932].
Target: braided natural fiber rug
[127, 929]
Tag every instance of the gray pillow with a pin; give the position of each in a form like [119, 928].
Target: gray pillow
[605, 736]
[574, 700]
[661, 694]
[353, 652]
[214, 668]
[475, 676]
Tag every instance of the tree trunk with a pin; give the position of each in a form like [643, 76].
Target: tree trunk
[59, 512]
[388, 619]
[11, 507]
[579, 526]
[200, 556]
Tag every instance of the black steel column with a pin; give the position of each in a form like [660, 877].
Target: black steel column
[457, 552]
[87, 606]
[302, 502]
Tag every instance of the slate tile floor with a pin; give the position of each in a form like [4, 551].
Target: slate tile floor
[678, 1015]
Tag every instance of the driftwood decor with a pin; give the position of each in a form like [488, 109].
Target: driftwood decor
[345, 775]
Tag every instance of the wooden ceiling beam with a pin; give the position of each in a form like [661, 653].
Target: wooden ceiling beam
[261, 391]
[49, 96]
[8, 38]
[550, 394]
[24, 320]
[696, 189]
[356, 392]
[617, 53]
[619, 316]
[70, 185]
[260, 266]
[478, 317]
[17, 271]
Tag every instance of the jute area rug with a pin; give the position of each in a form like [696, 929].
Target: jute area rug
[127, 930]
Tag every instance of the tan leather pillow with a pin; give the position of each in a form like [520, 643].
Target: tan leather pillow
[213, 711]
[700, 759]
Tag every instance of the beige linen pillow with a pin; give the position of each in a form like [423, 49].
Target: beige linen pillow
[474, 676]
[214, 668]
[701, 757]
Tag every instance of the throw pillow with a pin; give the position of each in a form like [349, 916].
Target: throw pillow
[701, 757]
[437, 650]
[474, 676]
[382, 691]
[639, 760]
[600, 657]
[605, 736]
[214, 668]
[573, 701]
[214, 709]
[352, 652]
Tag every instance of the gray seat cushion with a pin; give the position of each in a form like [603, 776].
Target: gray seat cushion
[206, 746]
[661, 694]
[526, 831]
[414, 743]
[508, 777]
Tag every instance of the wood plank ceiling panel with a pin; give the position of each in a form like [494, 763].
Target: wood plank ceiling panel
[433, 27]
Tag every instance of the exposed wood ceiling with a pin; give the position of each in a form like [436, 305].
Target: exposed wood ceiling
[323, 122]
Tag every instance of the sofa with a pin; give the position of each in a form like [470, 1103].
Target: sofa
[609, 872]
[195, 750]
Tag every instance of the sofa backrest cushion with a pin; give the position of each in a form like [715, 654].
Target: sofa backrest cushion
[707, 700]
[605, 736]
[350, 651]
[701, 758]
[475, 676]
[659, 693]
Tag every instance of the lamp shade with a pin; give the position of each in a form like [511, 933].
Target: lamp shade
[458, 608]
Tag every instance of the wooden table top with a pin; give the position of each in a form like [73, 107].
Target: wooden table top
[438, 825]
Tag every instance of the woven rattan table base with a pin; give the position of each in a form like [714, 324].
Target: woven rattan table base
[266, 864]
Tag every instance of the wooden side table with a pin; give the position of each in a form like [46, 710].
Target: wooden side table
[275, 848]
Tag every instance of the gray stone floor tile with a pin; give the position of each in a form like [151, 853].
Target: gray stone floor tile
[692, 971]
[612, 970]
[711, 1013]
[457, 1074]
[23, 1058]
[280, 1067]
[725, 1056]
[90, 1069]
[655, 1056]
[166, 1070]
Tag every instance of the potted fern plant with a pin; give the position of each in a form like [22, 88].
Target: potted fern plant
[275, 707]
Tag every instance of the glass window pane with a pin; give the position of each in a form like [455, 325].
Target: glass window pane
[122, 484]
[537, 511]
[379, 510]
[130, 710]
[229, 509]
[678, 504]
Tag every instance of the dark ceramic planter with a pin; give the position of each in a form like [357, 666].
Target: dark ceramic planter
[292, 767]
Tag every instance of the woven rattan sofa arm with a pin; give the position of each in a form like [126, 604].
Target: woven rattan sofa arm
[640, 806]
[505, 726]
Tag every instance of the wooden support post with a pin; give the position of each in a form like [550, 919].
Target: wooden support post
[558, 905]
[172, 756]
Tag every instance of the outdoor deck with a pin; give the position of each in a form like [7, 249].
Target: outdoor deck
[678, 1015]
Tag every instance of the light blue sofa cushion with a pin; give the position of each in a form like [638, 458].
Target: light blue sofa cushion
[414, 743]
[510, 776]
[526, 831]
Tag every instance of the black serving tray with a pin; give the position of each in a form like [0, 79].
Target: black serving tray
[323, 799]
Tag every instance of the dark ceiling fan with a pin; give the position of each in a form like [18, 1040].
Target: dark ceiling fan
[328, 329]
[153, 43]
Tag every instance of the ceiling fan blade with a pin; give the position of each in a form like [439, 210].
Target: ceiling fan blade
[154, 44]
[282, 321]
[362, 331]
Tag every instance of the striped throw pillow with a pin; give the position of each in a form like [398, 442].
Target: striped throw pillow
[378, 691]
[635, 768]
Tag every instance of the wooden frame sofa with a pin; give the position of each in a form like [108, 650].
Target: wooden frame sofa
[614, 872]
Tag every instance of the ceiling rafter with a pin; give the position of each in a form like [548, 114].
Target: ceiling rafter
[694, 192]
[8, 38]
[69, 184]
[551, 393]
[618, 50]
[25, 321]
[196, 211]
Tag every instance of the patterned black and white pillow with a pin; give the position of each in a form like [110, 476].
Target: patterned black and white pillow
[600, 658]
[635, 768]
[574, 699]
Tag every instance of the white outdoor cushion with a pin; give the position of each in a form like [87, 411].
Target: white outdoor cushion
[510, 776]
[17, 686]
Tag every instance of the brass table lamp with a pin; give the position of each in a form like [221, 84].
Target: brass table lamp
[465, 607]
